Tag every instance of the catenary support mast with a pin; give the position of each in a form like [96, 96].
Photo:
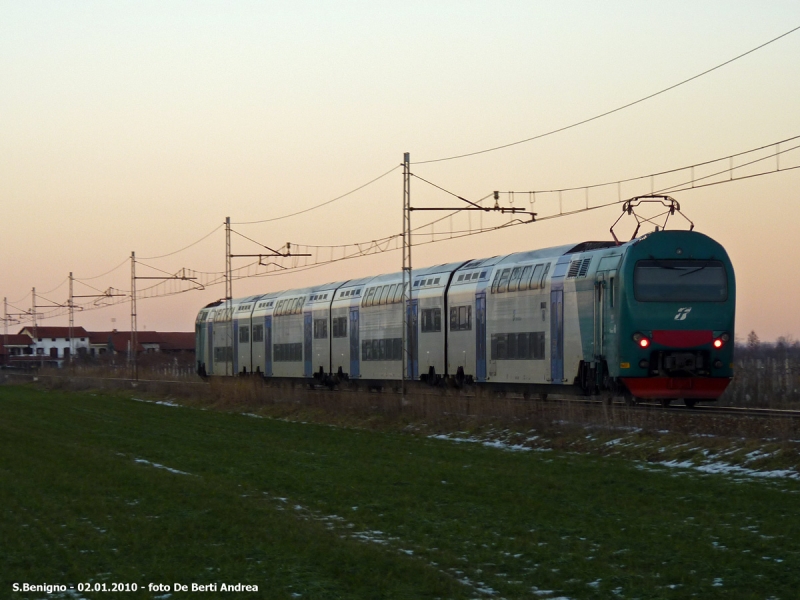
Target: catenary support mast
[407, 287]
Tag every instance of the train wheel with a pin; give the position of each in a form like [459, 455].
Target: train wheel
[665, 402]
[690, 402]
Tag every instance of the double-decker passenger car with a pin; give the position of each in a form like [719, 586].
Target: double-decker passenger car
[651, 318]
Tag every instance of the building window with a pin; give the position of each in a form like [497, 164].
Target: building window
[460, 318]
[339, 327]
[431, 320]
[320, 329]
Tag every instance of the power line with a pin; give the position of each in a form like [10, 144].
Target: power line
[300, 212]
[612, 111]
[102, 274]
[217, 228]
[675, 170]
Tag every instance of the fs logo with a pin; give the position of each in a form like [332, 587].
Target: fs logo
[683, 313]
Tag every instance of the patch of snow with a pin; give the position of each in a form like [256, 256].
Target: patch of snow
[161, 402]
[728, 469]
[158, 466]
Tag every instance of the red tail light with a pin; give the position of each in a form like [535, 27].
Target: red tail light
[644, 342]
[641, 339]
[720, 341]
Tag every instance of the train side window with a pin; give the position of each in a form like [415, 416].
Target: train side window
[431, 320]
[390, 295]
[339, 327]
[385, 293]
[544, 275]
[465, 318]
[244, 335]
[258, 333]
[495, 282]
[504, 276]
[460, 278]
[368, 297]
[398, 293]
[536, 277]
[320, 329]
[525, 278]
[515, 275]
[279, 307]
[461, 318]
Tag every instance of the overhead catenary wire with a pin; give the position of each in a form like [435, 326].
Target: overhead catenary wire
[365, 248]
[102, 274]
[670, 171]
[316, 206]
[612, 111]
[209, 234]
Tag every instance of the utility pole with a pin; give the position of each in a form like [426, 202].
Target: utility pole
[5, 326]
[229, 256]
[71, 321]
[33, 311]
[228, 297]
[407, 281]
[134, 363]
[181, 276]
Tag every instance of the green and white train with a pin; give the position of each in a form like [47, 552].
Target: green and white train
[651, 318]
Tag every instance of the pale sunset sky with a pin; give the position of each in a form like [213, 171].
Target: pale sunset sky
[139, 126]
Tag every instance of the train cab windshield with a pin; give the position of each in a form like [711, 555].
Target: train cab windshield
[680, 281]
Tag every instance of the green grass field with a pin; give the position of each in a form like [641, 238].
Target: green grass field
[105, 489]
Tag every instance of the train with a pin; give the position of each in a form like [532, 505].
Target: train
[649, 319]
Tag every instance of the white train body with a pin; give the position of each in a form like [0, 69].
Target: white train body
[510, 319]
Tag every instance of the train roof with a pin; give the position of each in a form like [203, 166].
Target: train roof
[443, 268]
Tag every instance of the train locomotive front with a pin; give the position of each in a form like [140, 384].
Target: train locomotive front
[676, 318]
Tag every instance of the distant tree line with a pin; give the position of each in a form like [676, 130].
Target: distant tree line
[766, 374]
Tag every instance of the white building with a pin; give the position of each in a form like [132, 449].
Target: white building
[54, 344]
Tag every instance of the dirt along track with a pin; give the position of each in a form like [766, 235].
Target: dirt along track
[439, 408]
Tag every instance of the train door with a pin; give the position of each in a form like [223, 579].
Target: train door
[268, 346]
[412, 337]
[599, 315]
[235, 347]
[355, 372]
[557, 335]
[200, 344]
[307, 350]
[480, 336]
[210, 352]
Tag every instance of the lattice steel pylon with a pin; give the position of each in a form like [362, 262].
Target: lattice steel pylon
[407, 287]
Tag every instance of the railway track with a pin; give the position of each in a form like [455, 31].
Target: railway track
[425, 391]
